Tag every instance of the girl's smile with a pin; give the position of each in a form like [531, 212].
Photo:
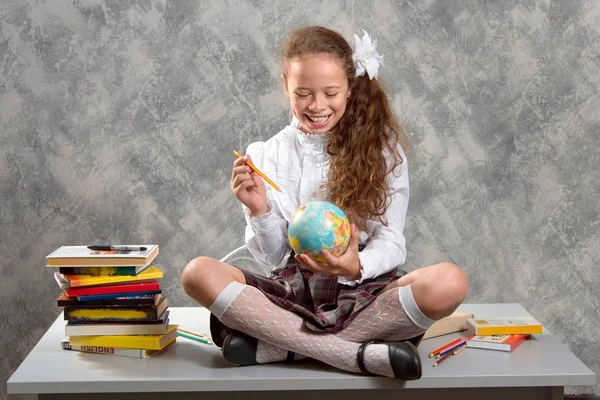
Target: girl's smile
[318, 122]
[317, 87]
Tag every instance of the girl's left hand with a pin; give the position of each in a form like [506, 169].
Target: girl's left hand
[347, 265]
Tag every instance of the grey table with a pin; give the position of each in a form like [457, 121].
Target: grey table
[539, 368]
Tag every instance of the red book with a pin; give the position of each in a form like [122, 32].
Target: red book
[108, 289]
[497, 342]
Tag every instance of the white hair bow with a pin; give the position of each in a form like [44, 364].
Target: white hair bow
[365, 57]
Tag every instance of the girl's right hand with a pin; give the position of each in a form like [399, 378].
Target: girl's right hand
[249, 187]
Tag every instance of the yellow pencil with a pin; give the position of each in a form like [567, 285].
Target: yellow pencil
[193, 337]
[179, 328]
[270, 182]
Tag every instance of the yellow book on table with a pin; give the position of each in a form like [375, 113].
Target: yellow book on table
[142, 342]
[504, 326]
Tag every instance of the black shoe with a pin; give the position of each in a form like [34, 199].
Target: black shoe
[240, 349]
[404, 358]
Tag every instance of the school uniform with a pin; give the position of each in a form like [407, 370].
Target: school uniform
[299, 164]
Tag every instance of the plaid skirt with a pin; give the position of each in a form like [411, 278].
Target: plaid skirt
[323, 303]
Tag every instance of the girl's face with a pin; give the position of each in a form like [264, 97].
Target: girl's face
[317, 87]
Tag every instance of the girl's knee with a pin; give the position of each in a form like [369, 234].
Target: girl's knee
[453, 284]
[194, 272]
[204, 278]
[440, 290]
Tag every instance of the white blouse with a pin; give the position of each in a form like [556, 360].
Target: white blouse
[298, 163]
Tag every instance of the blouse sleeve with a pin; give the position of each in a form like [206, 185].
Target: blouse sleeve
[386, 249]
[266, 235]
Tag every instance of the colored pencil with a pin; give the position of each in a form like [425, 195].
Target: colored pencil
[202, 335]
[253, 168]
[193, 337]
[454, 346]
[444, 347]
[458, 350]
[438, 362]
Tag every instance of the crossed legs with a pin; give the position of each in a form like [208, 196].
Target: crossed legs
[437, 289]
[436, 292]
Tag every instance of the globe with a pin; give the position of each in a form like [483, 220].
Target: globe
[316, 226]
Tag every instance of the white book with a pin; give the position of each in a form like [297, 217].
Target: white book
[74, 329]
[114, 351]
[83, 256]
[497, 342]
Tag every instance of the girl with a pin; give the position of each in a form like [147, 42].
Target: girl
[357, 312]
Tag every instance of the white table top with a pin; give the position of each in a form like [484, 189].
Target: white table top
[191, 366]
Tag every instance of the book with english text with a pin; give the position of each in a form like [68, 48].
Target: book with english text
[82, 256]
[115, 351]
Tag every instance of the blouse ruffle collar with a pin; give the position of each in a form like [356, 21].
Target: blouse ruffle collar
[294, 141]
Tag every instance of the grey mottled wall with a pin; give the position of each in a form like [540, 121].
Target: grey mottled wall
[118, 120]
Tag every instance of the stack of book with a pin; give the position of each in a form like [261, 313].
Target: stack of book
[503, 334]
[112, 300]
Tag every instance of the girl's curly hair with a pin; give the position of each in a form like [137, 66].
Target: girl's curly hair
[358, 171]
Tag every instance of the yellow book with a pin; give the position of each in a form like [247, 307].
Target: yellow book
[115, 351]
[94, 280]
[142, 342]
[504, 326]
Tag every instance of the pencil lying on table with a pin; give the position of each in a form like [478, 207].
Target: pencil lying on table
[444, 347]
[199, 337]
[441, 360]
[462, 342]
[449, 354]
[253, 168]
[179, 328]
